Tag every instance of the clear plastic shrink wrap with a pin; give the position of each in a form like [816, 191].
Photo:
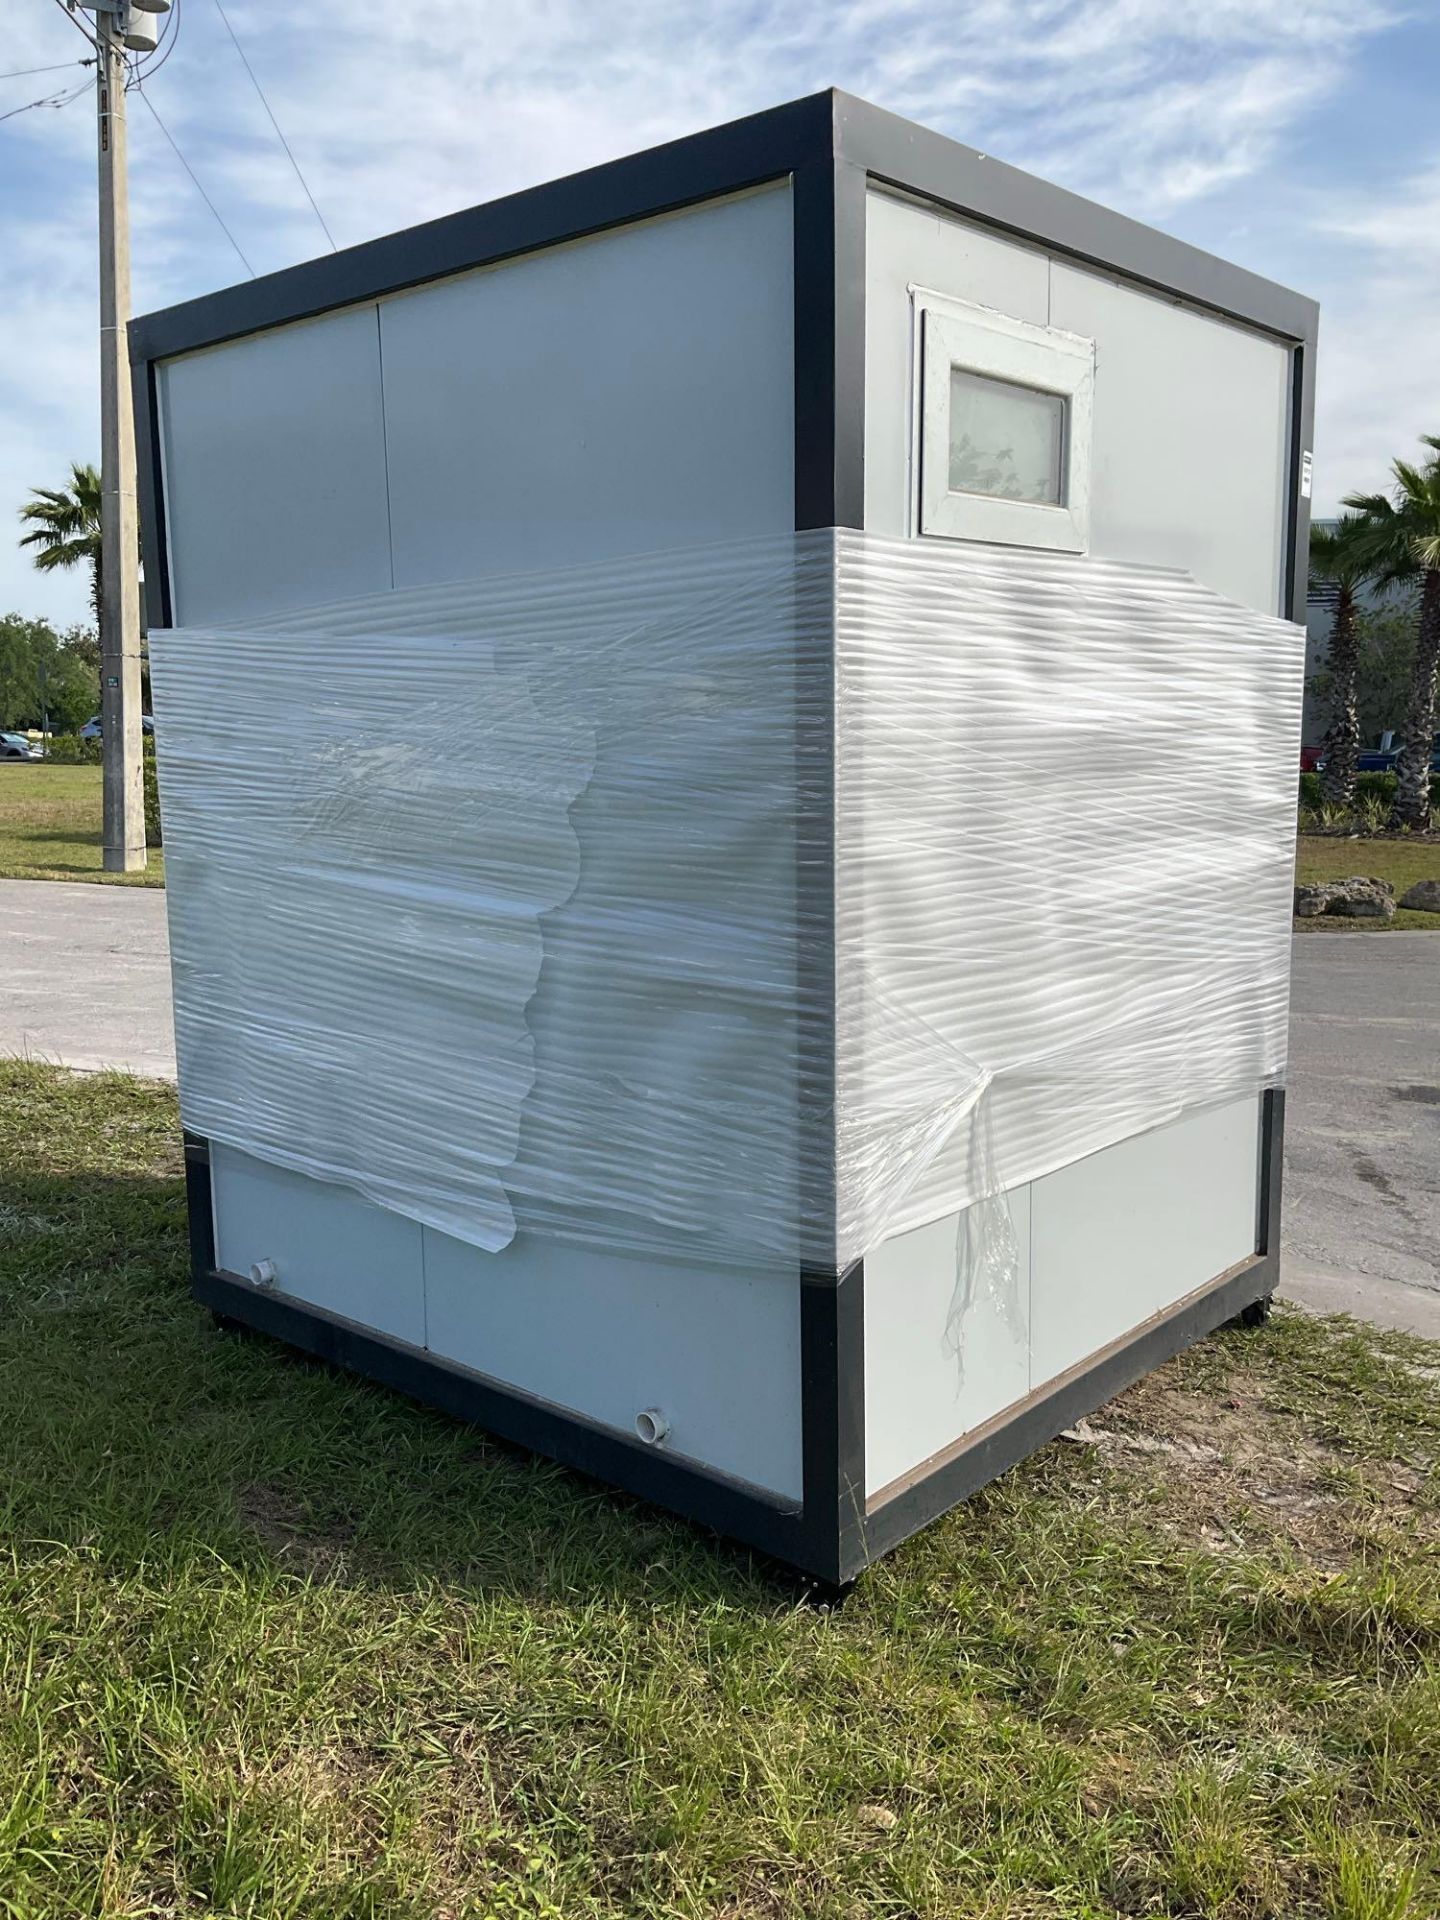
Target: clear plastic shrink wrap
[770, 898]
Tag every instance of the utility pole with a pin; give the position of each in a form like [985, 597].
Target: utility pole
[124, 787]
[119, 24]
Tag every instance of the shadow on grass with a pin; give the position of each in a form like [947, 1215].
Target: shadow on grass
[67, 836]
[137, 1424]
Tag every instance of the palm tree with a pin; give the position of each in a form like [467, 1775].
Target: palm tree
[67, 528]
[1401, 538]
[1339, 561]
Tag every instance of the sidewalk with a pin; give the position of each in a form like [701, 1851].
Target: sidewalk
[85, 976]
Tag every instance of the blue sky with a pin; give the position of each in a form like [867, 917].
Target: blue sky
[1296, 136]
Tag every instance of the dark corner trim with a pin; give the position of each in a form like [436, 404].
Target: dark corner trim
[199, 1204]
[1272, 1169]
[832, 1364]
[150, 486]
[1295, 587]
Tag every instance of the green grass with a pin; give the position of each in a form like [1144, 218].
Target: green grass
[50, 827]
[1402, 862]
[274, 1643]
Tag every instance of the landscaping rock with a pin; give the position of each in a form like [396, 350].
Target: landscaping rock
[1424, 896]
[1358, 898]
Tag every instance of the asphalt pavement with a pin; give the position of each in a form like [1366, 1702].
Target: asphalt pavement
[1362, 1128]
[85, 976]
[84, 981]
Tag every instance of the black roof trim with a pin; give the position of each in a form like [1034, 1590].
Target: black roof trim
[744, 153]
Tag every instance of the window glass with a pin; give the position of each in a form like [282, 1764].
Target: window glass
[1006, 440]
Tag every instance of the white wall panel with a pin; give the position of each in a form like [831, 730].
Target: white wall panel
[920, 1392]
[1191, 412]
[623, 394]
[1102, 1245]
[908, 244]
[274, 461]
[608, 1334]
[330, 1248]
[1189, 448]
[1125, 1233]
[1190, 431]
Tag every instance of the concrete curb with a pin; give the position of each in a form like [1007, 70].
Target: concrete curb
[1384, 1303]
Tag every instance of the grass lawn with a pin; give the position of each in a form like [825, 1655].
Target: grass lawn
[50, 829]
[1401, 862]
[274, 1643]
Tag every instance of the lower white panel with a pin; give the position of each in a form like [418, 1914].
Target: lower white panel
[919, 1394]
[1127, 1232]
[330, 1248]
[1103, 1244]
[609, 1335]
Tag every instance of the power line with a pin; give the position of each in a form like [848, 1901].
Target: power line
[23, 73]
[60, 99]
[195, 179]
[276, 125]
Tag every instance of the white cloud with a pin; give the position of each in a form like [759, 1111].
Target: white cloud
[1379, 336]
[401, 113]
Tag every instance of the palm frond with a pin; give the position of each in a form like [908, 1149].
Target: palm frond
[65, 553]
[1410, 480]
[1400, 535]
[53, 510]
[1373, 505]
[64, 523]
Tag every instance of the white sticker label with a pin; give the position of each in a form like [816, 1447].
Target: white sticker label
[1307, 463]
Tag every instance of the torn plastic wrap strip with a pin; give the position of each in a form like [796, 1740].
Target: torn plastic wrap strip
[511, 904]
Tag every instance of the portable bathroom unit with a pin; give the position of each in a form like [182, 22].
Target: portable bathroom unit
[727, 734]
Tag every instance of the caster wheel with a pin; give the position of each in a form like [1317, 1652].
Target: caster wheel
[1255, 1315]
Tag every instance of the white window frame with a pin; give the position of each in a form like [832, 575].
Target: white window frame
[953, 333]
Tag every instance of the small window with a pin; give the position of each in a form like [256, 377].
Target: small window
[1004, 422]
[1005, 440]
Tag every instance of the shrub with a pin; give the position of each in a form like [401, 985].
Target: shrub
[1374, 795]
[69, 750]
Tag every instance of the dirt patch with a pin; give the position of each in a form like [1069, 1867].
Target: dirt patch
[292, 1535]
[1233, 1475]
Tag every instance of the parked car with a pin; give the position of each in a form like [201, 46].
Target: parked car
[1371, 759]
[1382, 759]
[92, 729]
[16, 746]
